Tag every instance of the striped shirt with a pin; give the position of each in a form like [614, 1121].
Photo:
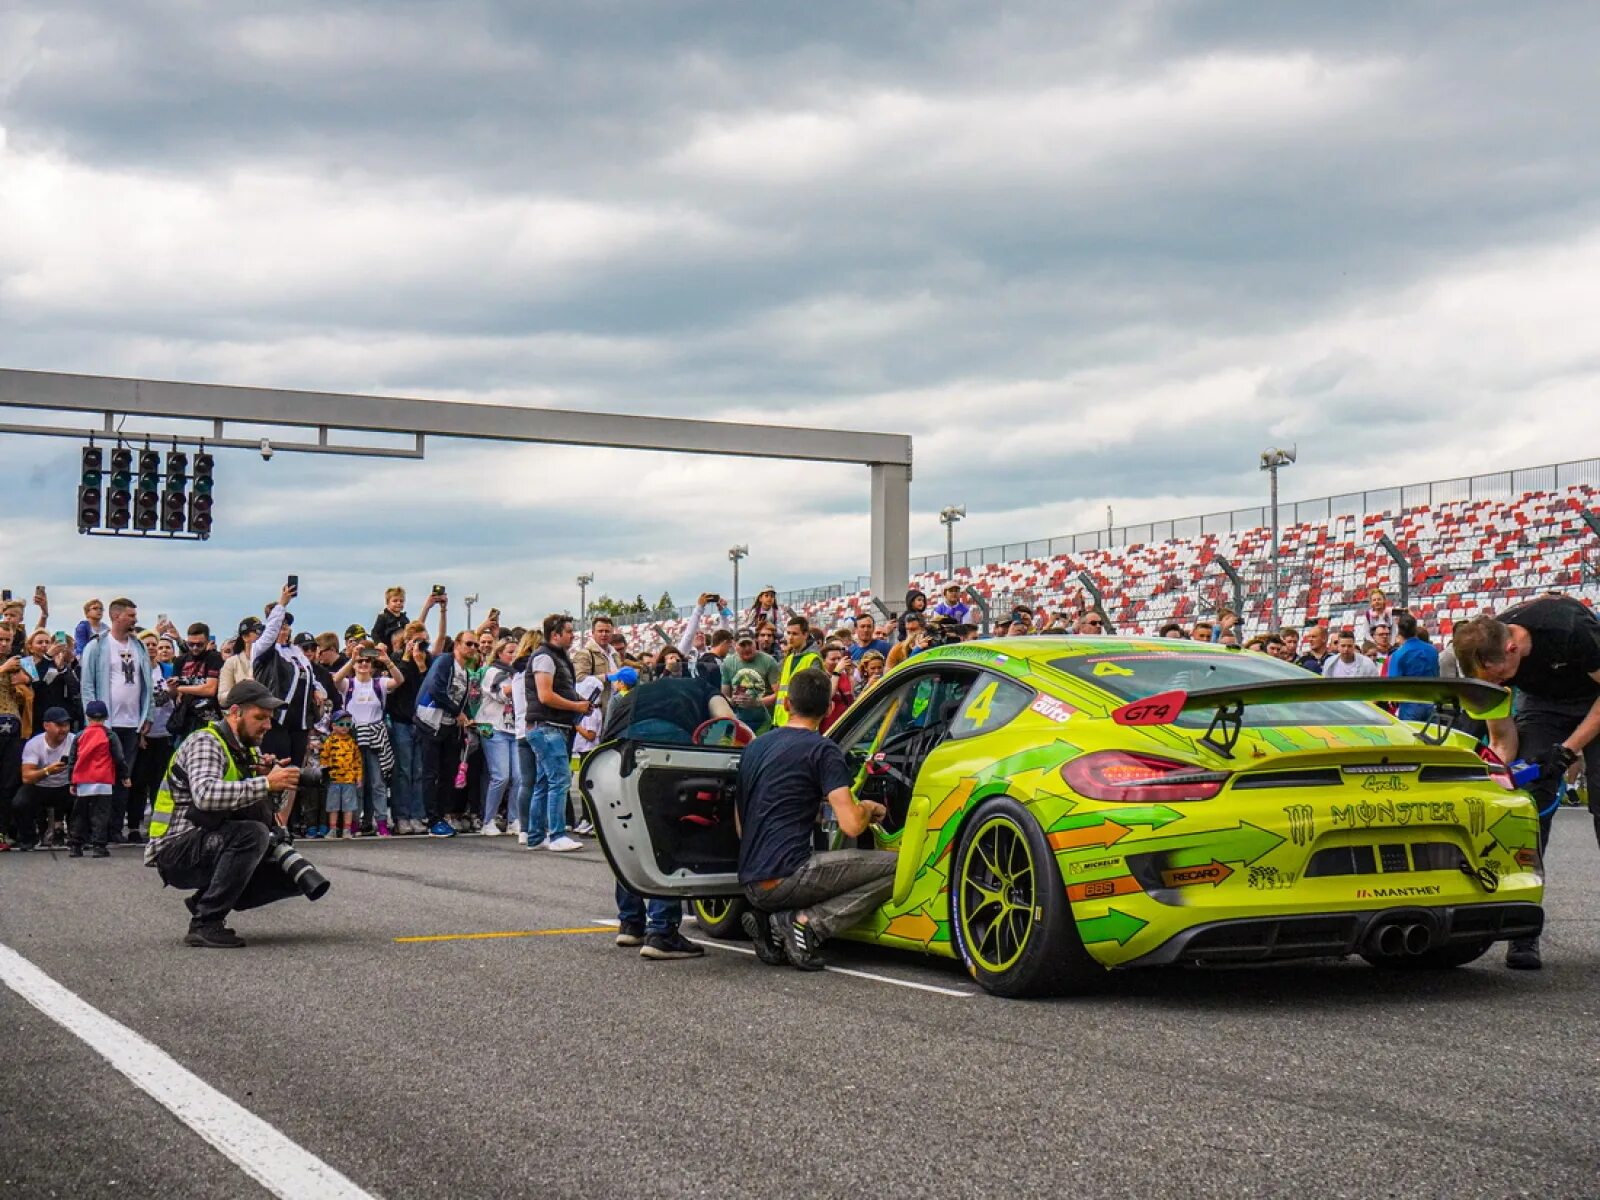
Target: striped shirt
[202, 761]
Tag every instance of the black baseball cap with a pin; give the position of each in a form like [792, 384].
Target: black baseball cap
[249, 692]
[250, 625]
[306, 641]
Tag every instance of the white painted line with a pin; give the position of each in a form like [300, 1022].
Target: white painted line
[851, 971]
[905, 983]
[282, 1167]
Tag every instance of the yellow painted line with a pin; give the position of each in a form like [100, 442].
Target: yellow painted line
[510, 933]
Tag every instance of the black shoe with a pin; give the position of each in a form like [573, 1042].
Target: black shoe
[630, 935]
[1523, 955]
[670, 945]
[135, 838]
[75, 852]
[769, 947]
[99, 852]
[212, 937]
[803, 946]
[192, 903]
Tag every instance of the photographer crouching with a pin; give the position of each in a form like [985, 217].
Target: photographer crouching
[214, 828]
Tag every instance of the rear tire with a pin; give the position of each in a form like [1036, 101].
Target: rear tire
[1009, 913]
[719, 917]
[1441, 959]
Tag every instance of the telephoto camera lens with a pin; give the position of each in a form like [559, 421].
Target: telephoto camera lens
[299, 870]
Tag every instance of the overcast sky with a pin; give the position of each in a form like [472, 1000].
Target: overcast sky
[1087, 254]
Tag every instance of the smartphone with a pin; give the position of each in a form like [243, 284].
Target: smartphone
[5, 594]
[61, 636]
[494, 614]
[438, 589]
[293, 583]
[367, 654]
[161, 619]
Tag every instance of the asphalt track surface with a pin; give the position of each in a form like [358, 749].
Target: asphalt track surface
[559, 1065]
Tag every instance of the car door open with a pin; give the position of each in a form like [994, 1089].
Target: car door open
[665, 816]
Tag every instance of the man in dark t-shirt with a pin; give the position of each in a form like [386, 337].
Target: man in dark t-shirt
[1549, 651]
[802, 896]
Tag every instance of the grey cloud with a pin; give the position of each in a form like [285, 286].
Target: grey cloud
[957, 256]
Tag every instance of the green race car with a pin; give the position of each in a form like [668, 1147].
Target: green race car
[1064, 805]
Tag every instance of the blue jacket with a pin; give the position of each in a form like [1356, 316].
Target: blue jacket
[97, 668]
[1414, 658]
[435, 689]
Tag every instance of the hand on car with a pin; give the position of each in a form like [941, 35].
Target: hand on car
[1554, 764]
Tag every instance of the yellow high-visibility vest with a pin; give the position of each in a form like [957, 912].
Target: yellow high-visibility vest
[791, 664]
[162, 810]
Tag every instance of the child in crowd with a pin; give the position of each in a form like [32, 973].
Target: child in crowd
[91, 627]
[96, 766]
[341, 769]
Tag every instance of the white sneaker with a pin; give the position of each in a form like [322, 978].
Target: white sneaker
[583, 829]
[562, 844]
[490, 829]
[544, 845]
[516, 827]
[522, 839]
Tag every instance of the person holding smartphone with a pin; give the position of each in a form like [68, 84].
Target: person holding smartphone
[286, 672]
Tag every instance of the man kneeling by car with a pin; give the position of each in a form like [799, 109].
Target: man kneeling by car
[803, 896]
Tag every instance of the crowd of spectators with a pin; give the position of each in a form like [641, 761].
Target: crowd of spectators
[420, 731]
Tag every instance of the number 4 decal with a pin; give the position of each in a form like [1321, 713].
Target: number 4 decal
[978, 710]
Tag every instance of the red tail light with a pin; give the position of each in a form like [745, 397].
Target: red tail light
[1139, 778]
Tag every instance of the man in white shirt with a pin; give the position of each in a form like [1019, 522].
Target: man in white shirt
[44, 778]
[116, 671]
[1347, 664]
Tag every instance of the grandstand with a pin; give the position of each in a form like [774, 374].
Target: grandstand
[1452, 558]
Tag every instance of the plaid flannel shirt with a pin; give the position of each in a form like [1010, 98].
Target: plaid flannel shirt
[203, 761]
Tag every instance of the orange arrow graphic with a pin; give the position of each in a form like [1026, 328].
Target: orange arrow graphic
[1213, 872]
[1107, 833]
[918, 926]
[1100, 889]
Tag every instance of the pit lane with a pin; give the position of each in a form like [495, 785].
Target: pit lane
[556, 1064]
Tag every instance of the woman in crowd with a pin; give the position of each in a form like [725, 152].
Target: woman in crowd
[668, 661]
[765, 609]
[497, 727]
[868, 671]
[530, 642]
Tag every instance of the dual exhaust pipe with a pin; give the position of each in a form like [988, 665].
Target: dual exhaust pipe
[1400, 939]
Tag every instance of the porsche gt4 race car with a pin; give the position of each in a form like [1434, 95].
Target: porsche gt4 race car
[1063, 805]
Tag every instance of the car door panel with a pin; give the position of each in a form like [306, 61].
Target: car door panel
[665, 817]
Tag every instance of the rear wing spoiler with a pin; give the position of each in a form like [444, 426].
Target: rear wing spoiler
[1450, 698]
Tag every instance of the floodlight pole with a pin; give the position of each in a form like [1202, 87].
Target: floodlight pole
[734, 555]
[948, 518]
[470, 601]
[1271, 460]
[583, 597]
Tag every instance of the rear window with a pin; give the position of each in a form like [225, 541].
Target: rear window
[1135, 675]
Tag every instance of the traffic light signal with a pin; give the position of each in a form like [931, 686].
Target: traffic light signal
[119, 499]
[89, 489]
[174, 504]
[147, 499]
[200, 499]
